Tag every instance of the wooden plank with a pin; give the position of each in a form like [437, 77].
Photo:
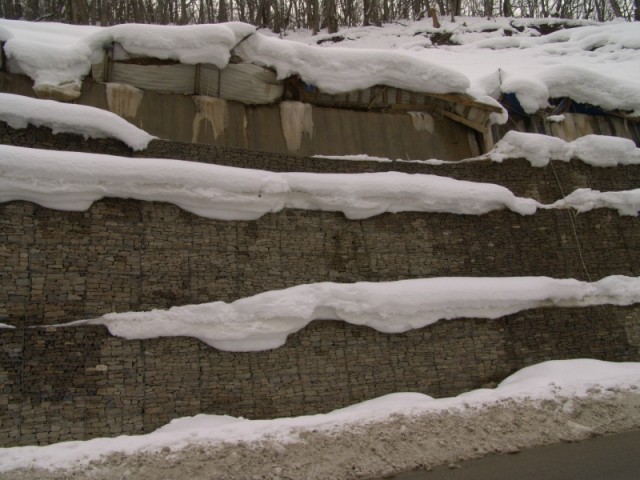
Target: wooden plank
[375, 96]
[465, 100]
[488, 140]
[457, 118]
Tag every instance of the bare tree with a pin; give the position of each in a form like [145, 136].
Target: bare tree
[280, 15]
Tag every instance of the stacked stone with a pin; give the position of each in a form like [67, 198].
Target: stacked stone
[126, 255]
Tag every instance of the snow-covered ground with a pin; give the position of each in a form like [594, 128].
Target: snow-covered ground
[550, 402]
[591, 63]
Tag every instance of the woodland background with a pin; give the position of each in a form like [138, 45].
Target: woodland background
[283, 15]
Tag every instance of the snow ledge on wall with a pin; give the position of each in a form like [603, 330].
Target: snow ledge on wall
[265, 320]
[72, 181]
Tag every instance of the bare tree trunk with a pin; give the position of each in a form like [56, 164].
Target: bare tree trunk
[13, 10]
[507, 11]
[616, 8]
[79, 14]
[454, 6]
[488, 8]
[138, 11]
[242, 10]
[103, 10]
[276, 18]
[223, 14]
[330, 15]
[371, 13]
[313, 16]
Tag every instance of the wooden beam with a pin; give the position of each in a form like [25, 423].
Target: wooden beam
[465, 100]
[480, 127]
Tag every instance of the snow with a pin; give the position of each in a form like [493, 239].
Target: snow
[595, 63]
[626, 202]
[192, 44]
[19, 111]
[53, 54]
[4, 325]
[342, 70]
[73, 181]
[555, 118]
[265, 320]
[539, 150]
[555, 380]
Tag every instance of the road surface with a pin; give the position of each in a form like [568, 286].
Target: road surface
[613, 457]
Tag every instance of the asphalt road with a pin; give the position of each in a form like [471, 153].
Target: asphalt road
[613, 457]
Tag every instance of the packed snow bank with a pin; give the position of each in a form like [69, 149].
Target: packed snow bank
[73, 181]
[539, 150]
[265, 320]
[552, 401]
[19, 111]
[343, 70]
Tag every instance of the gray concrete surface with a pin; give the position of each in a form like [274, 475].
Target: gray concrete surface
[612, 457]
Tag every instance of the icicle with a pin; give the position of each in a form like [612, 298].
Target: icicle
[422, 121]
[296, 118]
[213, 110]
[124, 100]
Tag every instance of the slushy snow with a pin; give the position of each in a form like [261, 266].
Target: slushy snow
[19, 111]
[549, 399]
[265, 320]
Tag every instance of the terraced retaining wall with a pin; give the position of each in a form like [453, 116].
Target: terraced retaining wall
[80, 382]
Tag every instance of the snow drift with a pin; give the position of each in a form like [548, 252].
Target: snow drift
[265, 320]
